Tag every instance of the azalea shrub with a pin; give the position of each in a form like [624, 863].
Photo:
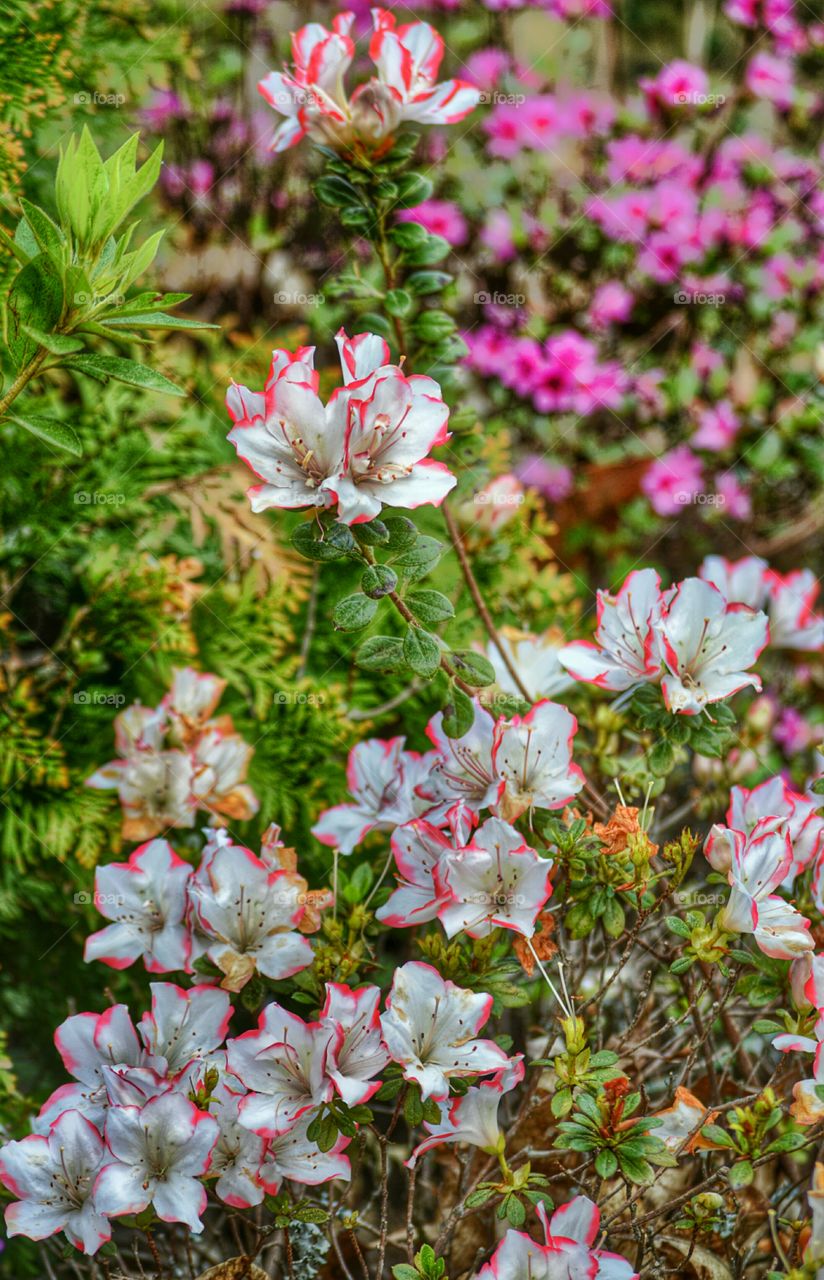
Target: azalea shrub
[412, 824]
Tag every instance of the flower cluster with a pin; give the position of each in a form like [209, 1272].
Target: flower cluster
[368, 445]
[313, 99]
[178, 758]
[691, 638]
[509, 766]
[242, 914]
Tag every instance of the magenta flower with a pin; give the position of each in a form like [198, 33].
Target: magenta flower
[673, 480]
[771, 78]
[441, 218]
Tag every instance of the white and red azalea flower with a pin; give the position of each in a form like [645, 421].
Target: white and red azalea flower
[418, 848]
[755, 865]
[567, 1253]
[495, 882]
[775, 798]
[463, 769]
[472, 1118]
[707, 644]
[384, 781]
[238, 1153]
[183, 1026]
[282, 1064]
[739, 581]
[794, 624]
[355, 1052]
[313, 99]
[292, 1155]
[145, 898]
[430, 1027]
[369, 445]
[53, 1180]
[175, 759]
[248, 915]
[536, 660]
[533, 756]
[625, 653]
[158, 1154]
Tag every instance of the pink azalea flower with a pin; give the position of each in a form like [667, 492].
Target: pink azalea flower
[673, 480]
[770, 77]
[441, 218]
[759, 863]
[497, 235]
[430, 1027]
[249, 915]
[553, 480]
[382, 783]
[612, 303]
[294, 1157]
[678, 84]
[313, 99]
[472, 1118]
[718, 426]
[355, 1051]
[732, 496]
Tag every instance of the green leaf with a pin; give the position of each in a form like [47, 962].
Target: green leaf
[561, 1104]
[372, 534]
[741, 1174]
[35, 300]
[473, 667]
[413, 188]
[379, 581]
[476, 1198]
[613, 918]
[421, 283]
[306, 541]
[433, 249]
[515, 1212]
[51, 431]
[606, 1164]
[336, 192]
[353, 612]
[679, 926]
[408, 235]
[434, 325]
[422, 652]
[458, 713]
[661, 758]
[381, 653]
[402, 533]
[48, 235]
[413, 1108]
[397, 302]
[128, 371]
[429, 606]
[714, 1133]
[57, 344]
[153, 320]
[403, 1271]
[420, 558]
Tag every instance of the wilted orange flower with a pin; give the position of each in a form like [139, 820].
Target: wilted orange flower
[541, 941]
